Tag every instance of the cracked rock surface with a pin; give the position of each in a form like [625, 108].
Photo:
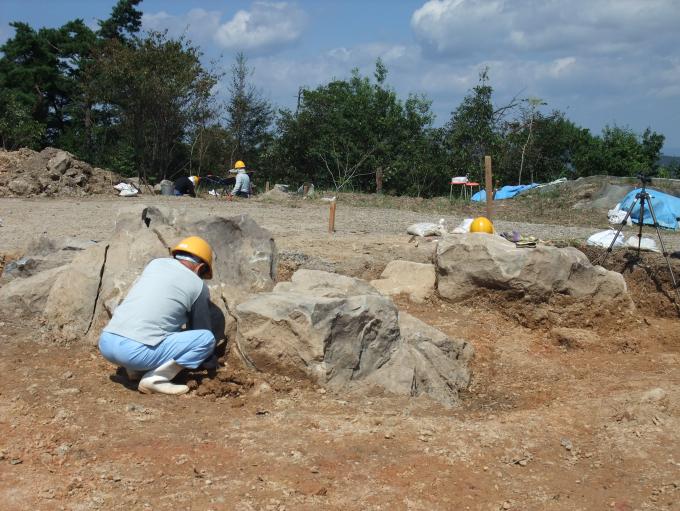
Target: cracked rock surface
[80, 298]
[340, 332]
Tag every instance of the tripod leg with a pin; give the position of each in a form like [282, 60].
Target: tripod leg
[618, 232]
[663, 250]
[641, 221]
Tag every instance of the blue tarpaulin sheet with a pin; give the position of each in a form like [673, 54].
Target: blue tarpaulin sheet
[506, 192]
[666, 208]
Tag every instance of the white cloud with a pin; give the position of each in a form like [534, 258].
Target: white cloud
[198, 24]
[265, 25]
[469, 28]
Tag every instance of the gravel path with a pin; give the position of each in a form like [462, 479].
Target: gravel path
[294, 224]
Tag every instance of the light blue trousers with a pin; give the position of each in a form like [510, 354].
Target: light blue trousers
[188, 348]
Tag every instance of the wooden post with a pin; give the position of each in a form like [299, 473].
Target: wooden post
[305, 189]
[331, 218]
[266, 186]
[488, 179]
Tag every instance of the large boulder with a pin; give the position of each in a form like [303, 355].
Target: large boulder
[330, 328]
[416, 280]
[85, 296]
[426, 362]
[27, 297]
[57, 164]
[468, 264]
[340, 332]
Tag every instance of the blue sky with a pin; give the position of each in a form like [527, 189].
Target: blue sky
[600, 61]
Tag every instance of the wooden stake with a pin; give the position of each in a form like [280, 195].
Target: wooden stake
[266, 187]
[331, 218]
[305, 189]
[488, 179]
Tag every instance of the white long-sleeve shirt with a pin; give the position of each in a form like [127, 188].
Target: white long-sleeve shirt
[242, 183]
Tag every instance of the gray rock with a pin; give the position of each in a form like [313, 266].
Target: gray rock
[427, 362]
[21, 267]
[21, 186]
[82, 300]
[328, 337]
[468, 263]
[340, 332]
[27, 297]
[417, 280]
[58, 164]
[72, 298]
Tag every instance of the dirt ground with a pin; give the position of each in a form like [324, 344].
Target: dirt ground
[544, 425]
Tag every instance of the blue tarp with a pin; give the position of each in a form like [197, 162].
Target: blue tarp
[666, 207]
[507, 192]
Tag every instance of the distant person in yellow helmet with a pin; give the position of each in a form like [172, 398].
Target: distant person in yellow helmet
[242, 184]
[145, 334]
[186, 185]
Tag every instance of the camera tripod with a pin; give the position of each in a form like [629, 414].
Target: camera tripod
[643, 197]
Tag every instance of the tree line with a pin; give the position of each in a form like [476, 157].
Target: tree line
[144, 103]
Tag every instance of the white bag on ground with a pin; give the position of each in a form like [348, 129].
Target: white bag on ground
[463, 227]
[604, 239]
[427, 229]
[645, 243]
[617, 215]
[126, 190]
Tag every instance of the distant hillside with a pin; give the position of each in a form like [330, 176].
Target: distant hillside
[667, 161]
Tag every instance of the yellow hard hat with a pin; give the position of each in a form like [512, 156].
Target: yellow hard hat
[239, 165]
[481, 224]
[195, 180]
[198, 247]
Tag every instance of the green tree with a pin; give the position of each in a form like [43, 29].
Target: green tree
[625, 153]
[17, 126]
[354, 134]
[124, 22]
[249, 116]
[155, 90]
[475, 129]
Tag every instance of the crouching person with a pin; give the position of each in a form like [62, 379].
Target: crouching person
[145, 334]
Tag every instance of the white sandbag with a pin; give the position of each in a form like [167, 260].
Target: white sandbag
[126, 189]
[463, 227]
[129, 192]
[617, 215]
[428, 229]
[645, 243]
[604, 239]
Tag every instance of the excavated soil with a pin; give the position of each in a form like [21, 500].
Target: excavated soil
[648, 278]
[25, 173]
[544, 425]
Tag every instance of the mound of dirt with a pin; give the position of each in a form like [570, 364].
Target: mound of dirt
[51, 172]
[648, 280]
[602, 192]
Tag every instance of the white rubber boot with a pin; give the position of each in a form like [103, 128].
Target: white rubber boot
[157, 381]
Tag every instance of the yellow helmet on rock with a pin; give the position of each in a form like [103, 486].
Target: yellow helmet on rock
[198, 247]
[481, 224]
[239, 165]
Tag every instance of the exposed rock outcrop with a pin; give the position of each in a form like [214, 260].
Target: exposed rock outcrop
[417, 280]
[340, 332]
[474, 263]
